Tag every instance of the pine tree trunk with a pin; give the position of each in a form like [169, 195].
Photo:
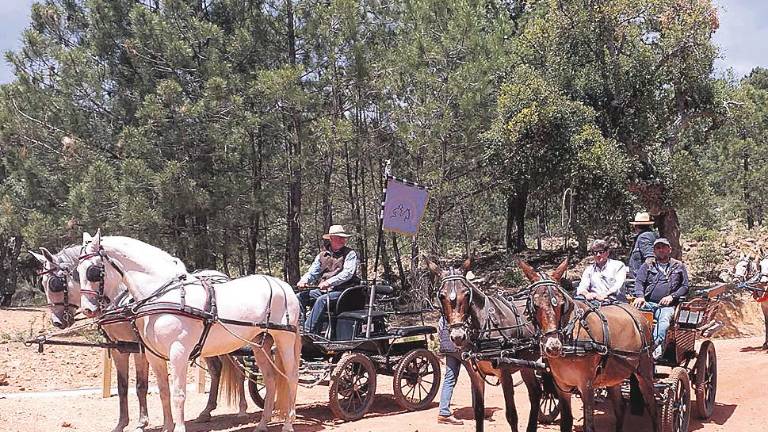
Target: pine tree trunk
[293, 238]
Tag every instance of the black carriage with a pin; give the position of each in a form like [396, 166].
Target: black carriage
[358, 343]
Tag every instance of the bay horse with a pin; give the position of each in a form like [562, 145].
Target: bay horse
[588, 348]
[470, 315]
[177, 317]
[61, 286]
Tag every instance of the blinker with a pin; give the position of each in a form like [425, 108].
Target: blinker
[57, 284]
[94, 274]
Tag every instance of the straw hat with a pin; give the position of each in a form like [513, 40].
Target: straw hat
[336, 231]
[642, 218]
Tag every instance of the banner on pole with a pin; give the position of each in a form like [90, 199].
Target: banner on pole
[403, 206]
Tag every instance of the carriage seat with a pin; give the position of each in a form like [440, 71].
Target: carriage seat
[350, 316]
[413, 331]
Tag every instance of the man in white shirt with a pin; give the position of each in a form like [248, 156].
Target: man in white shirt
[602, 281]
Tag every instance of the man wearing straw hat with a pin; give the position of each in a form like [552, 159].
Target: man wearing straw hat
[333, 270]
[642, 250]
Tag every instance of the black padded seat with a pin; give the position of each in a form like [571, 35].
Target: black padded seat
[361, 315]
[413, 331]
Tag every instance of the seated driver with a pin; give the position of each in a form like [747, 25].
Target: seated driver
[333, 270]
[602, 281]
[659, 286]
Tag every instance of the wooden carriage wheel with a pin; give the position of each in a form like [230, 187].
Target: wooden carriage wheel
[353, 386]
[705, 380]
[549, 404]
[675, 412]
[416, 379]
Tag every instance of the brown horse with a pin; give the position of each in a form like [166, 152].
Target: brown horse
[472, 315]
[587, 348]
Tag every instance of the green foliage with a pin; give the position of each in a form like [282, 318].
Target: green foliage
[704, 234]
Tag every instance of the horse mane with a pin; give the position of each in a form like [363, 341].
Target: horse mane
[70, 254]
[140, 251]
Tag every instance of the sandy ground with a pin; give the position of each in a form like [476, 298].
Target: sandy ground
[741, 397]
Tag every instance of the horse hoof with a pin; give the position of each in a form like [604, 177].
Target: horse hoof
[765, 345]
[242, 414]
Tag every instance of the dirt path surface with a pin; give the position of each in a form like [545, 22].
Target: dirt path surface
[741, 396]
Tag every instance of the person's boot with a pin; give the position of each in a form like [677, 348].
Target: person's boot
[450, 420]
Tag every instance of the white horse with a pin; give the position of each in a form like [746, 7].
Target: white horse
[62, 290]
[746, 269]
[171, 312]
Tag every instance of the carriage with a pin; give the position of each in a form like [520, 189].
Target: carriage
[690, 369]
[354, 350]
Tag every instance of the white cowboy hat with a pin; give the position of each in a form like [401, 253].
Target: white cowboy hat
[336, 231]
[642, 218]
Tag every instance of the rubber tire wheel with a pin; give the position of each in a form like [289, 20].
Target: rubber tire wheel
[412, 370]
[705, 377]
[352, 368]
[549, 407]
[676, 410]
[256, 387]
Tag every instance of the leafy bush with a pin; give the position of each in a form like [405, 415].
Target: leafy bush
[704, 234]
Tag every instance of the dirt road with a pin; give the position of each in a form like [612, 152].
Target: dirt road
[741, 399]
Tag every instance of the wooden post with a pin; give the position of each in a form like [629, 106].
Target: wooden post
[106, 382]
[200, 380]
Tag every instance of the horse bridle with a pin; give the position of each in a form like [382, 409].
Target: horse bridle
[58, 284]
[455, 276]
[568, 307]
[95, 273]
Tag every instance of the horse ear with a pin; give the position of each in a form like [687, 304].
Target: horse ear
[560, 270]
[87, 238]
[48, 255]
[433, 268]
[96, 242]
[467, 266]
[528, 271]
[38, 257]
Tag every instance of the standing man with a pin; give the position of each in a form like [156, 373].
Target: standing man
[642, 250]
[659, 287]
[333, 270]
[603, 280]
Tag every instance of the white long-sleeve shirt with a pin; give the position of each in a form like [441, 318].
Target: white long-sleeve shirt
[603, 281]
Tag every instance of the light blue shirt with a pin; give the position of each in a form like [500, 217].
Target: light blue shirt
[346, 273]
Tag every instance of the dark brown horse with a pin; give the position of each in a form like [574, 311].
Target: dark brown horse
[471, 315]
[589, 348]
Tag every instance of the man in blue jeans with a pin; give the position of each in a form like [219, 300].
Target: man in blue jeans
[452, 368]
[333, 270]
[659, 286]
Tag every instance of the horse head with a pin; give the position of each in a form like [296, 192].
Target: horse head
[548, 304]
[95, 276]
[61, 285]
[455, 297]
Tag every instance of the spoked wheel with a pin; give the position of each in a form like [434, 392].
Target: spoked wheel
[353, 386]
[549, 405]
[416, 379]
[256, 387]
[705, 380]
[676, 413]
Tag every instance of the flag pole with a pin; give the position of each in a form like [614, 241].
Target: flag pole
[379, 236]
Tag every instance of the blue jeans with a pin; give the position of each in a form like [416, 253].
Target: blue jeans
[321, 301]
[452, 369]
[663, 316]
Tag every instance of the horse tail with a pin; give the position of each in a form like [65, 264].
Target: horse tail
[231, 380]
[285, 397]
